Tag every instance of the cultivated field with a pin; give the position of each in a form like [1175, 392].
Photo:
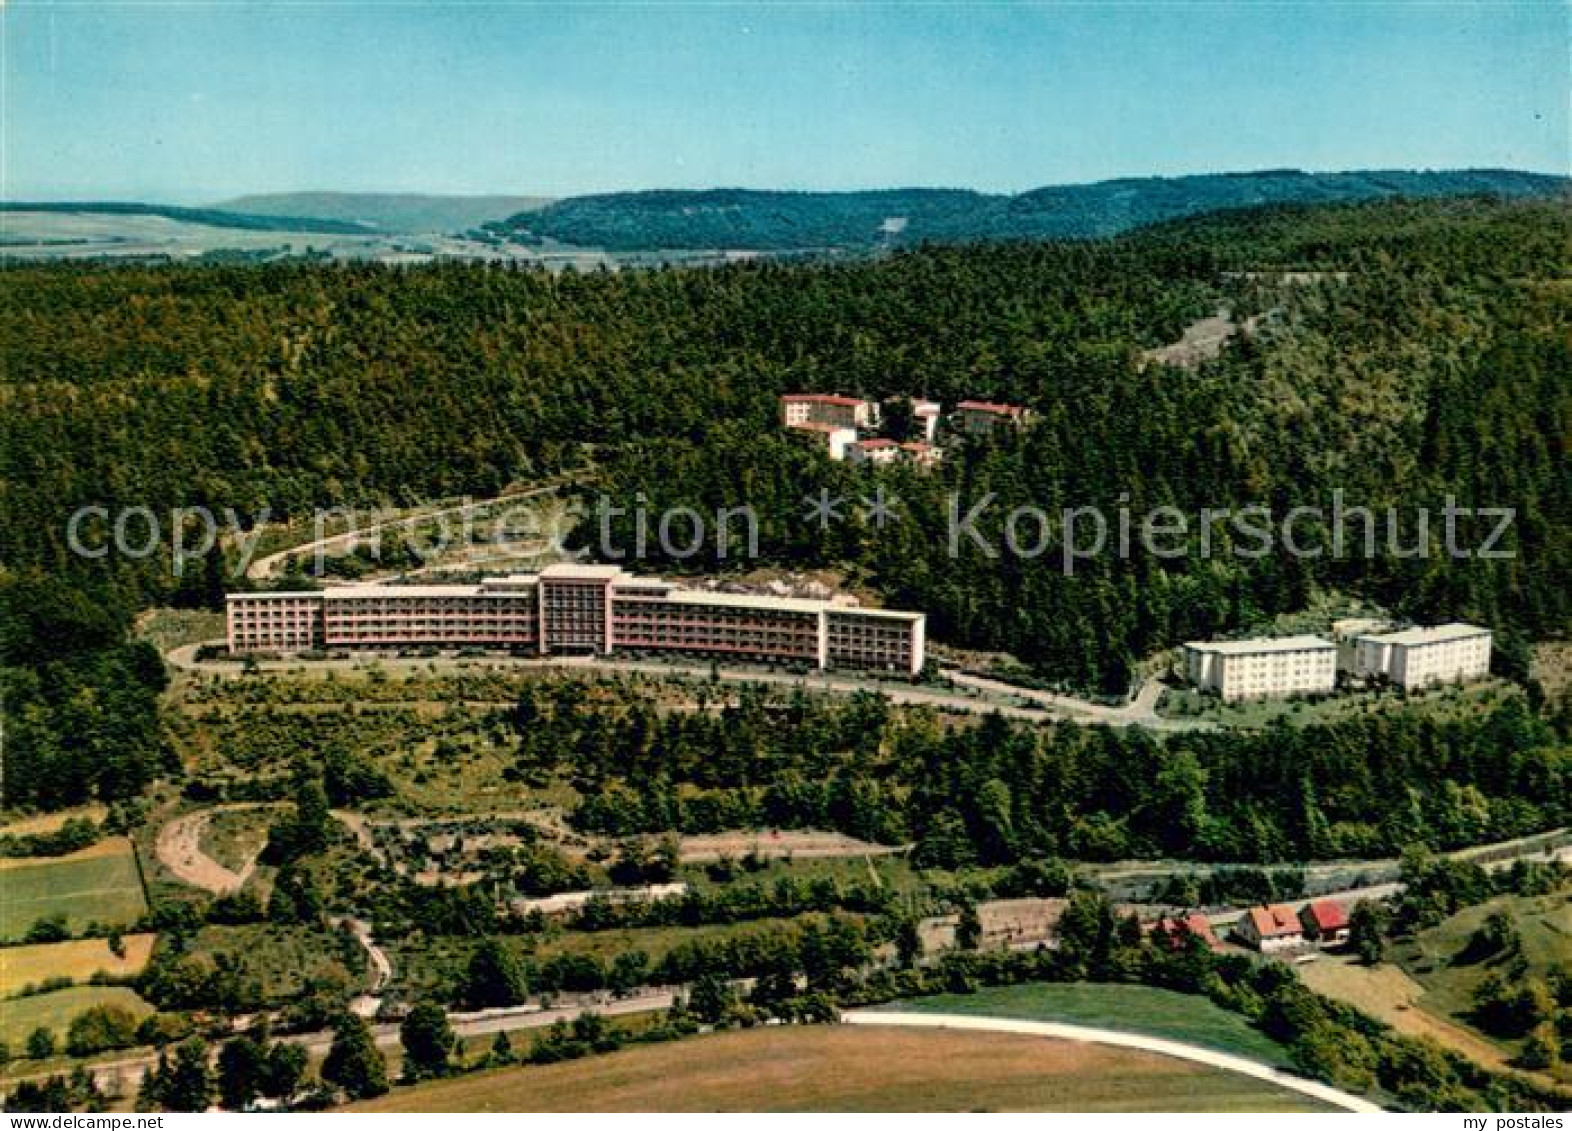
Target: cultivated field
[78, 960]
[825, 1068]
[1132, 1009]
[55, 1010]
[97, 885]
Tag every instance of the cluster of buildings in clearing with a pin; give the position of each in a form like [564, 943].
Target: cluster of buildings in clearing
[591, 609]
[848, 427]
[1266, 667]
[1276, 927]
[1269, 928]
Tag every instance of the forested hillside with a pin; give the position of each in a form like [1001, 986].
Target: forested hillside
[1424, 355]
[790, 221]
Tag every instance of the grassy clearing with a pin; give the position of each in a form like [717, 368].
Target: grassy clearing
[1437, 957]
[55, 1010]
[1131, 1009]
[78, 960]
[1388, 994]
[52, 822]
[1456, 702]
[845, 1069]
[167, 629]
[234, 837]
[97, 885]
[281, 961]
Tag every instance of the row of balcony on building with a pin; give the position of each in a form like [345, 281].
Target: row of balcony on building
[597, 609]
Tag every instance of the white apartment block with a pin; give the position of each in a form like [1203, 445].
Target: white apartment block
[1265, 667]
[597, 609]
[1423, 657]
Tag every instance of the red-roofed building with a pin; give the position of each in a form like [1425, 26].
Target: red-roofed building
[1271, 928]
[980, 418]
[1325, 922]
[923, 455]
[1193, 925]
[876, 450]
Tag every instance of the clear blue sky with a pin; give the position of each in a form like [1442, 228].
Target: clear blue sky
[195, 102]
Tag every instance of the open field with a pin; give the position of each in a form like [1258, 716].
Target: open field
[78, 960]
[1388, 994]
[99, 884]
[1133, 1009]
[52, 822]
[235, 837]
[846, 1069]
[20, 1016]
[1438, 960]
[171, 628]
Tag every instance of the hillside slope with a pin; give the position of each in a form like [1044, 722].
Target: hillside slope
[388, 212]
[791, 221]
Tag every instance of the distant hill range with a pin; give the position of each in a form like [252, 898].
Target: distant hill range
[211, 217]
[410, 213]
[745, 219]
[686, 226]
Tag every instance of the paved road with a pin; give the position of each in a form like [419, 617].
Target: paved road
[1140, 711]
[1159, 1045]
[1387, 890]
[984, 697]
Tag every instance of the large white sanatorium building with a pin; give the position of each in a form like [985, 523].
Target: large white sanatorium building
[1263, 667]
[579, 608]
[1423, 657]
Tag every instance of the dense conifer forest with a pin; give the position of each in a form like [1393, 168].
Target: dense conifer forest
[1402, 352]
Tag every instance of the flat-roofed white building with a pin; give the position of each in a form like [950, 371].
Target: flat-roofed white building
[598, 609]
[1264, 667]
[1423, 657]
[835, 439]
[927, 413]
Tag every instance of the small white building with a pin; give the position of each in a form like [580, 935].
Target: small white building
[833, 438]
[1264, 667]
[1423, 657]
[927, 413]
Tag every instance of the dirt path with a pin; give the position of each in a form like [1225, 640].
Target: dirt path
[1175, 1049]
[369, 1003]
[179, 848]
